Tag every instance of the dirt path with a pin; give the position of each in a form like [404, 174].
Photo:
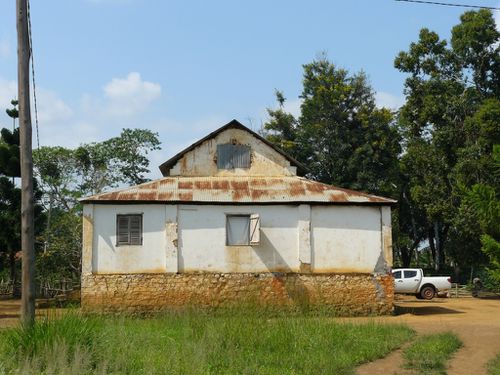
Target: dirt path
[475, 321]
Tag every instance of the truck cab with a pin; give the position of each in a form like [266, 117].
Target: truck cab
[413, 281]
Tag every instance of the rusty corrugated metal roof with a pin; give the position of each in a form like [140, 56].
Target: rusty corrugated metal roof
[248, 189]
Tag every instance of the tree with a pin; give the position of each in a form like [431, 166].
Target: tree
[486, 201]
[10, 196]
[68, 174]
[449, 128]
[340, 135]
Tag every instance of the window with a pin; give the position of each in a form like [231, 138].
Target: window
[129, 229]
[410, 274]
[397, 274]
[230, 156]
[242, 230]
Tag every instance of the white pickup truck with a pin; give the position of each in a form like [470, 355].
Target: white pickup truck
[413, 281]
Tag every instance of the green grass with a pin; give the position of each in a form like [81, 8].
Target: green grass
[494, 366]
[196, 342]
[428, 354]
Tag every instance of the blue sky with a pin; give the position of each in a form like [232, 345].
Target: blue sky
[184, 68]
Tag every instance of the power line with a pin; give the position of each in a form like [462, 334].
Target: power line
[33, 73]
[450, 4]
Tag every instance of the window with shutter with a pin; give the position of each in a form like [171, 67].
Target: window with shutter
[129, 229]
[242, 230]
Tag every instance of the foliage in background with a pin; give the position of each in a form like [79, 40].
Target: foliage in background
[428, 156]
[69, 174]
[340, 135]
[486, 201]
[450, 124]
[10, 198]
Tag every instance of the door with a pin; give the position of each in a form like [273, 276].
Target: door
[411, 280]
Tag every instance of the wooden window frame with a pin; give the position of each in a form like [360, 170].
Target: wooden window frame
[129, 242]
[253, 235]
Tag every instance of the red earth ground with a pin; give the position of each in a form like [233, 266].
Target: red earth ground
[475, 321]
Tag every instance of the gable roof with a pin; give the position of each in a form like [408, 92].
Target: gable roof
[234, 124]
[237, 190]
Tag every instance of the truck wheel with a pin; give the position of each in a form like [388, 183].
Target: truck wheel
[427, 292]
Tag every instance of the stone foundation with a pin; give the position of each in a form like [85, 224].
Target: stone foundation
[344, 294]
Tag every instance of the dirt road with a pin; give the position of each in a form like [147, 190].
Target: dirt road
[475, 321]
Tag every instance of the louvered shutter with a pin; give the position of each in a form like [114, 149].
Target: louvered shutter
[136, 230]
[122, 232]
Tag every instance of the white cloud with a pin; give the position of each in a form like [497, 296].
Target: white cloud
[4, 48]
[51, 108]
[130, 95]
[8, 91]
[385, 99]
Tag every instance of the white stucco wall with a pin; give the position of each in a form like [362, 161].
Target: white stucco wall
[109, 258]
[345, 238]
[202, 240]
[192, 238]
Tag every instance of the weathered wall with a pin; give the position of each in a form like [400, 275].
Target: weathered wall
[148, 257]
[202, 240]
[202, 160]
[345, 239]
[349, 294]
[192, 238]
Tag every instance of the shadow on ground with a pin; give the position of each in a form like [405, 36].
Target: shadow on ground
[424, 310]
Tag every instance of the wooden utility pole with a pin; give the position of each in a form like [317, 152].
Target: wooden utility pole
[27, 204]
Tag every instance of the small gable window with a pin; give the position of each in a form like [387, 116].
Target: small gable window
[129, 229]
[230, 156]
[242, 230]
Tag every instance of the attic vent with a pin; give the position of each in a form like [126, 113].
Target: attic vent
[230, 156]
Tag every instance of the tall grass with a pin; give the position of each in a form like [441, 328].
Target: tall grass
[196, 342]
[429, 354]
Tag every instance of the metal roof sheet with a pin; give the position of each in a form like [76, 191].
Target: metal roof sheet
[227, 190]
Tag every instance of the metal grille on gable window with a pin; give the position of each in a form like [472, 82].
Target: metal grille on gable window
[230, 156]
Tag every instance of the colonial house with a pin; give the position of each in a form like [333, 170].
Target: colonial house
[233, 220]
